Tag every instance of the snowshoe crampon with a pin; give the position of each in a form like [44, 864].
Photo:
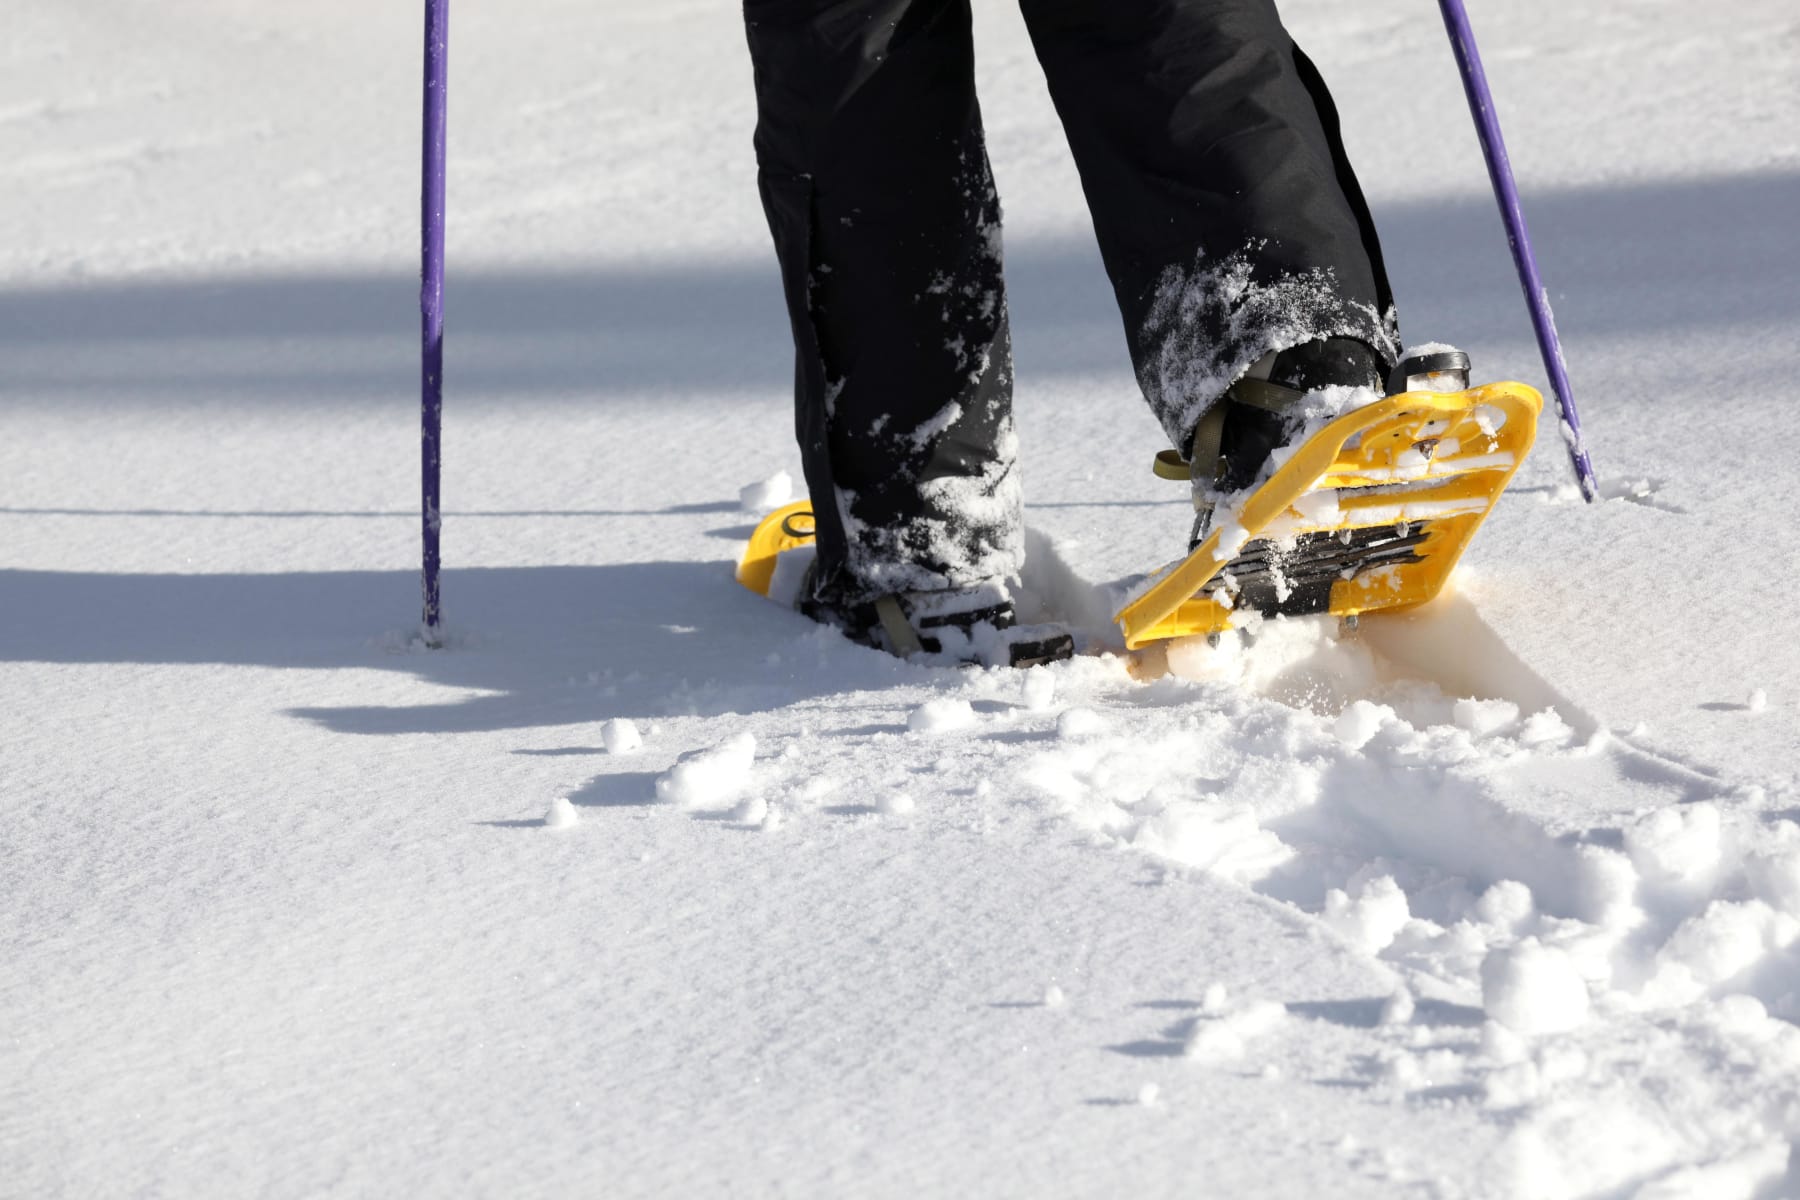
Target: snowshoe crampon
[1370, 513]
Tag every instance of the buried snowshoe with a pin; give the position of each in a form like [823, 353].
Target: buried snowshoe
[1369, 512]
[971, 626]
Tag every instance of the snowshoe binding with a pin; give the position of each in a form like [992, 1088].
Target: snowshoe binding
[1309, 500]
[976, 626]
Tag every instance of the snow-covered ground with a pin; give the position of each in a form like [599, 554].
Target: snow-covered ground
[645, 887]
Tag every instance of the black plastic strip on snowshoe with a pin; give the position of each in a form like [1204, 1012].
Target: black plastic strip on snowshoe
[1306, 573]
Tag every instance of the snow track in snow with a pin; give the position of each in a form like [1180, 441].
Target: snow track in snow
[1572, 922]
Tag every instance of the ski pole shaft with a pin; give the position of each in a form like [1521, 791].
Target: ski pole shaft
[431, 295]
[1506, 192]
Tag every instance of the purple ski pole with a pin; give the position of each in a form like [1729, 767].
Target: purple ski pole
[1506, 192]
[431, 294]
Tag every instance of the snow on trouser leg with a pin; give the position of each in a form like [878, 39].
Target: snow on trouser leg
[1227, 213]
[876, 185]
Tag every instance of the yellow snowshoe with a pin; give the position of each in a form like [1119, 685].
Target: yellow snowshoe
[1370, 513]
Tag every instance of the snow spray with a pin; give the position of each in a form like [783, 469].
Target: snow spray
[1506, 192]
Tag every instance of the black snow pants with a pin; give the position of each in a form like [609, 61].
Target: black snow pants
[1227, 215]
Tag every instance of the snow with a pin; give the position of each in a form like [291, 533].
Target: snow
[561, 814]
[941, 715]
[1533, 989]
[766, 494]
[620, 736]
[641, 879]
[709, 778]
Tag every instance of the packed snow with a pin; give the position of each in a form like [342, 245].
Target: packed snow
[642, 885]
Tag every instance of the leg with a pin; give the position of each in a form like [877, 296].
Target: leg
[876, 184]
[1226, 210]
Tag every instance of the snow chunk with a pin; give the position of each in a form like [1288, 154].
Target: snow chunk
[561, 814]
[1373, 919]
[1232, 538]
[1361, 722]
[1545, 728]
[752, 811]
[1507, 906]
[943, 715]
[1080, 723]
[1485, 718]
[709, 778]
[1147, 1095]
[895, 804]
[1678, 845]
[1720, 943]
[770, 493]
[1038, 689]
[1531, 988]
[1758, 700]
[1053, 997]
[1228, 1037]
[1215, 999]
[1399, 1008]
[620, 736]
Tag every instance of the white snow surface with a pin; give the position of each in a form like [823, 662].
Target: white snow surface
[1500, 900]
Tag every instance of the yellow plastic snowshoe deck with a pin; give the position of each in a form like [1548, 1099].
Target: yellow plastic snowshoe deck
[1371, 513]
[784, 529]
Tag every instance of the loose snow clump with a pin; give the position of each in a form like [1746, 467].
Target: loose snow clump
[772, 492]
[709, 778]
[1720, 943]
[620, 736]
[1531, 988]
[561, 814]
[1485, 718]
[1507, 906]
[1676, 845]
[942, 715]
[1361, 722]
[895, 804]
[1545, 728]
[1053, 997]
[1080, 723]
[1373, 918]
[1228, 1037]
[1038, 690]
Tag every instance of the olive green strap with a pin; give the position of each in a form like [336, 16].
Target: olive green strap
[1260, 393]
[901, 637]
[1204, 461]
